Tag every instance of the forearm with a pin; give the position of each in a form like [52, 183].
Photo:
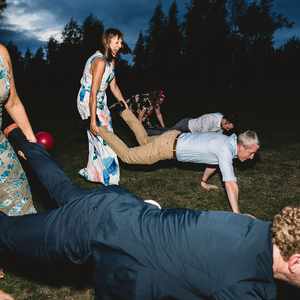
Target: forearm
[17, 112]
[208, 172]
[206, 175]
[117, 92]
[160, 119]
[141, 115]
[232, 191]
[93, 106]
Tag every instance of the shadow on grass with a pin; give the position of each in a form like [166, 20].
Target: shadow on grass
[54, 275]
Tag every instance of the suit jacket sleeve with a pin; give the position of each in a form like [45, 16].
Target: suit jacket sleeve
[247, 290]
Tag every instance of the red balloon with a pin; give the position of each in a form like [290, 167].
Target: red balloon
[45, 139]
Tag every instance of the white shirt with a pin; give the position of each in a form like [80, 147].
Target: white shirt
[209, 148]
[206, 123]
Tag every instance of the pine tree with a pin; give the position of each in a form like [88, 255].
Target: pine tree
[38, 68]
[53, 48]
[92, 31]
[69, 54]
[139, 56]
[257, 24]
[155, 46]
[206, 31]
[71, 34]
[174, 40]
[27, 58]
[2, 6]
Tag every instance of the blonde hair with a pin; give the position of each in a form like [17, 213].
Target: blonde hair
[286, 231]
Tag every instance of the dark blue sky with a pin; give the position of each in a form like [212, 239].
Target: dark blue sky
[29, 23]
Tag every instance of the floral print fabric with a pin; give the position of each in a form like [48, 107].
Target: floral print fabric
[103, 165]
[147, 102]
[15, 195]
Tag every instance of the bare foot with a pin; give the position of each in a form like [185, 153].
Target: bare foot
[208, 187]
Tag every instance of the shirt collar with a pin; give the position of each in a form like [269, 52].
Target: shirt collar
[233, 144]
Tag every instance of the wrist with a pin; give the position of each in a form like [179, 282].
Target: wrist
[93, 123]
[202, 180]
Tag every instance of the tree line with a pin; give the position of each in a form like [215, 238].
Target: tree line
[218, 55]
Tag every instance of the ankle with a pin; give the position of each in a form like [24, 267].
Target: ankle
[7, 130]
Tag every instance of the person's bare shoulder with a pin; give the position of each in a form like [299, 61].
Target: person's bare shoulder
[3, 49]
[99, 60]
[4, 53]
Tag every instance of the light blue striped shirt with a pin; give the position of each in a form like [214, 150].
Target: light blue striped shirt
[209, 148]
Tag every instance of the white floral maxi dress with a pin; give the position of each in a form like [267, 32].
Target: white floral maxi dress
[103, 165]
[15, 195]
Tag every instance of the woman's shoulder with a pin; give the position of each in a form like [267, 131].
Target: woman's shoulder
[97, 57]
[3, 51]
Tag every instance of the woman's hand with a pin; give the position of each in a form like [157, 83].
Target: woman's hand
[32, 139]
[124, 103]
[94, 128]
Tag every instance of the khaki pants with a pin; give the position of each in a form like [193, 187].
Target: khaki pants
[151, 150]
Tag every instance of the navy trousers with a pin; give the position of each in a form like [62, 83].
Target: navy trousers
[71, 232]
[25, 235]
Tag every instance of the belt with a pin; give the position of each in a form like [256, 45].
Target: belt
[174, 146]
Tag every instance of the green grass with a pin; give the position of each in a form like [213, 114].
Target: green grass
[266, 185]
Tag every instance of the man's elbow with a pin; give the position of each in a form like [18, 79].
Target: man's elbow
[231, 184]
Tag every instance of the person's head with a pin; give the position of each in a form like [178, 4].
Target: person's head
[286, 236]
[228, 122]
[112, 41]
[157, 97]
[247, 145]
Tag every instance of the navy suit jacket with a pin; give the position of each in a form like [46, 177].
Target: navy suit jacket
[142, 252]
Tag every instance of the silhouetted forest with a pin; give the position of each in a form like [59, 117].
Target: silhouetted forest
[219, 56]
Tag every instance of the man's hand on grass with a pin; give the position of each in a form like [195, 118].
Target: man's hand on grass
[208, 187]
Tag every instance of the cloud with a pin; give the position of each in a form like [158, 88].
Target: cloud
[37, 20]
[43, 18]
[33, 23]
[21, 39]
[289, 9]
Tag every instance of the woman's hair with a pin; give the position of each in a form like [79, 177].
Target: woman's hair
[286, 231]
[231, 117]
[106, 37]
[156, 97]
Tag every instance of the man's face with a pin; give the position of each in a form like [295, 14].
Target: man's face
[226, 125]
[246, 152]
[293, 275]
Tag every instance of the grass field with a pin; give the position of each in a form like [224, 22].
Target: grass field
[266, 184]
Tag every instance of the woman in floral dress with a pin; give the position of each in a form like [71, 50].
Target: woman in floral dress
[103, 165]
[15, 195]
